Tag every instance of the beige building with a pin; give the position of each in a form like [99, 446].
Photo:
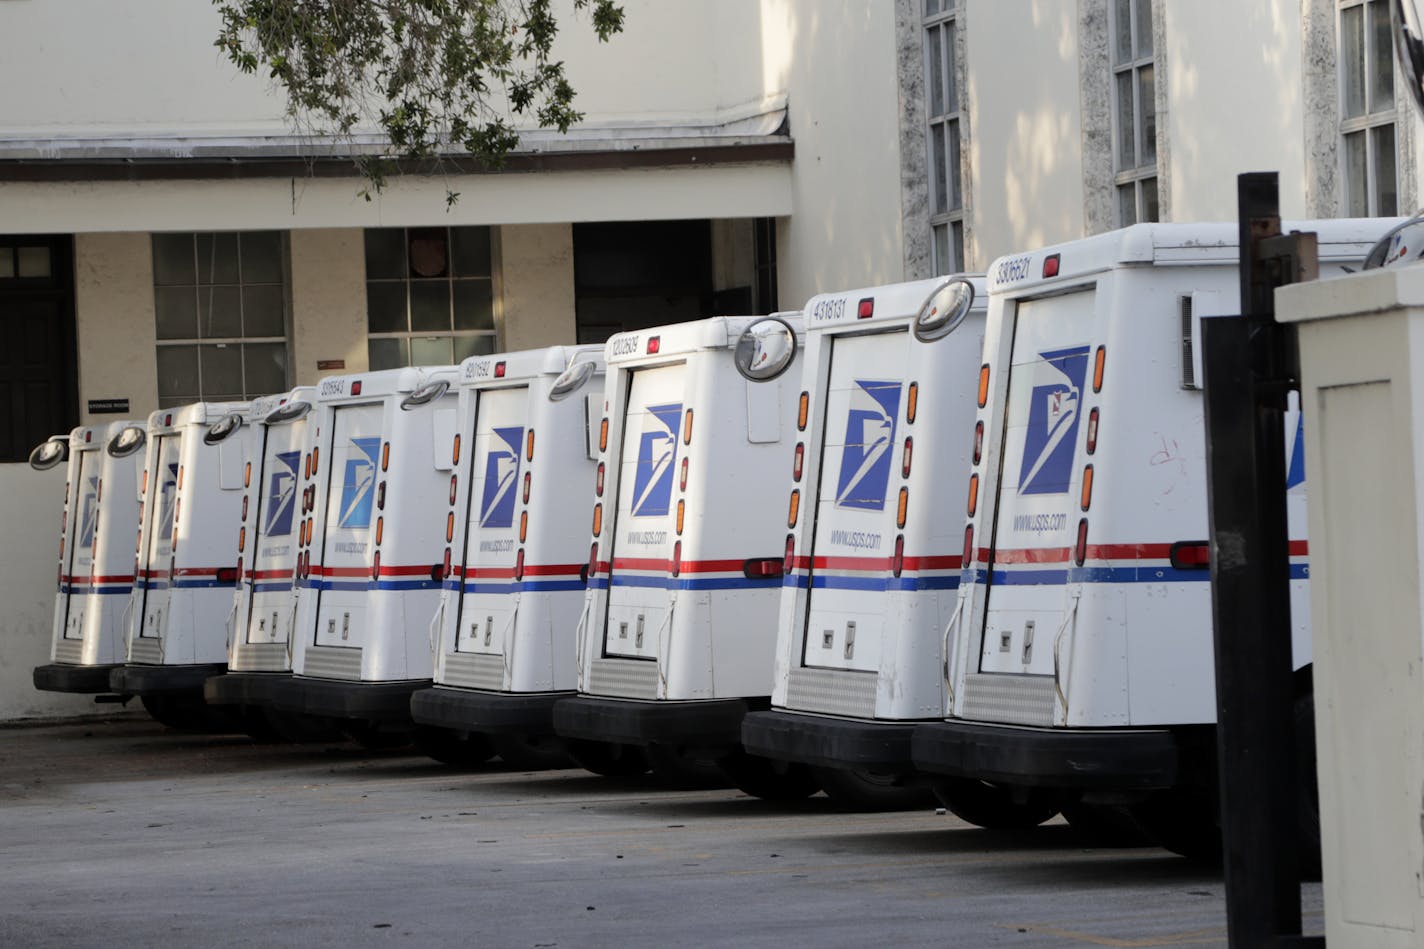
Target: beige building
[165, 237]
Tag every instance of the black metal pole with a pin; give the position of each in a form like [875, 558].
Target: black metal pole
[1249, 364]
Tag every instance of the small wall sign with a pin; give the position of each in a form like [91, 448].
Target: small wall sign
[108, 406]
[326, 365]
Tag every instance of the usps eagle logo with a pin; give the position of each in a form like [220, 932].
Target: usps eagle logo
[1052, 434]
[358, 483]
[89, 515]
[1295, 462]
[167, 494]
[501, 473]
[282, 494]
[657, 449]
[870, 433]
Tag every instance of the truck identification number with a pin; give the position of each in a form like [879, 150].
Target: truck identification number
[828, 310]
[333, 386]
[478, 370]
[1012, 270]
[623, 346]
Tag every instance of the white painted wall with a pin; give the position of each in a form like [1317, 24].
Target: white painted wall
[837, 59]
[328, 301]
[1026, 149]
[534, 286]
[1235, 103]
[114, 316]
[31, 503]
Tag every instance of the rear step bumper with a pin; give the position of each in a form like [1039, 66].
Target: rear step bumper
[491, 713]
[382, 702]
[58, 677]
[134, 679]
[714, 725]
[242, 688]
[831, 742]
[1126, 759]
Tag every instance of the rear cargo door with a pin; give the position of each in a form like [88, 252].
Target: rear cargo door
[273, 546]
[644, 527]
[1036, 517]
[157, 562]
[79, 544]
[352, 461]
[854, 532]
[487, 600]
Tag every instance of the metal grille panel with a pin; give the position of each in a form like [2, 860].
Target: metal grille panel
[474, 670]
[326, 662]
[146, 649]
[833, 691]
[69, 651]
[628, 678]
[261, 657]
[1010, 699]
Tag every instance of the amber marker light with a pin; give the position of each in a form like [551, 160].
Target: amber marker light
[902, 507]
[1098, 359]
[912, 402]
[973, 504]
[795, 507]
[803, 409]
[603, 435]
[1087, 496]
[983, 384]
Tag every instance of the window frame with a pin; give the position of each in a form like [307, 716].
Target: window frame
[1145, 172]
[1371, 121]
[947, 227]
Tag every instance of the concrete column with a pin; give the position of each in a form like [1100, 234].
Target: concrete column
[328, 302]
[114, 317]
[534, 285]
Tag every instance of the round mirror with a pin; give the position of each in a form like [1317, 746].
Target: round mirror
[1404, 244]
[571, 380]
[765, 349]
[428, 392]
[222, 428]
[287, 413]
[945, 309]
[50, 452]
[129, 440]
[1409, 47]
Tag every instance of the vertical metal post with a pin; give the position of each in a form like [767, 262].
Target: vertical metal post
[1250, 367]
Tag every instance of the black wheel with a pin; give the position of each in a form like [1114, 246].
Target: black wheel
[607, 758]
[767, 779]
[258, 727]
[299, 728]
[374, 737]
[1183, 820]
[190, 713]
[1307, 787]
[873, 790]
[531, 752]
[993, 807]
[459, 749]
[678, 771]
[1105, 825]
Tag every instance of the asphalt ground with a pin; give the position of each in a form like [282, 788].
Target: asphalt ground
[121, 833]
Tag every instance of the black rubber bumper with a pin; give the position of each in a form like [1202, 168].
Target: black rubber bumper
[58, 677]
[158, 680]
[832, 742]
[491, 713]
[1126, 759]
[714, 724]
[387, 702]
[242, 688]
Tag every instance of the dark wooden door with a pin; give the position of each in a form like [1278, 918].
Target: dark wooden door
[38, 388]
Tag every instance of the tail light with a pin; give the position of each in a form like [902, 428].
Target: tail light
[227, 575]
[906, 456]
[979, 440]
[681, 510]
[445, 564]
[449, 527]
[241, 540]
[797, 461]
[598, 481]
[376, 566]
[385, 456]
[381, 529]
[788, 562]
[523, 525]
[682, 476]
[677, 558]
[1190, 555]
[865, 309]
[454, 480]
[603, 435]
[244, 507]
[315, 457]
[592, 559]
[1080, 549]
[897, 564]
[499, 370]
[455, 450]
[519, 564]
[1093, 430]
[654, 344]
[527, 479]
[967, 556]
[246, 476]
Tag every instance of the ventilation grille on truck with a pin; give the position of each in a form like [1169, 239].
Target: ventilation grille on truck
[1009, 699]
[832, 691]
[474, 670]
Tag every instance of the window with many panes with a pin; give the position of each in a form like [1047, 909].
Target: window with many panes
[942, 108]
[220, 303]
[1134, 111]
[429, 296]
[1367, 111]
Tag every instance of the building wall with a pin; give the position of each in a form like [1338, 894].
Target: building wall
[1026, 149]
[114, 317]
[534, 285]
[30, 507]
[328, 281]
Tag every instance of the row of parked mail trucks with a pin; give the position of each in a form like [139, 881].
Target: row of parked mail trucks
[948, 534]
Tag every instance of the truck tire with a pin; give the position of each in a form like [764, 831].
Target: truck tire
[606, 758]
[531, 752]
[993, 807]
[860, 790]
[457, 749]
[767, 779]
[1183, 820]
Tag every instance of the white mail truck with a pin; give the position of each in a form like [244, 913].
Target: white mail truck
[1078, 662]
[679, 624]
[524, 451]
[373, 546]
[888, 387]
[191, 496]
[95, 553]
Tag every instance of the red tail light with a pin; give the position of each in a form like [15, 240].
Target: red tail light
[654, 344]
[1190, 555]
[356, 387]
[454, 480]
[1093, 430]
[907, 456]
[499, 370]
[445, 564]
[682, 476]
[898, 563]
[967, 557]
[1080, 549]
[1050, 266]
[677, 558]
[788, 562]
[519, 564]
[527, 479]
[978, 441]
[227, 575]
[598, 482]
[866, 309]
[376, 566]
[763, 568]
[592, 559]
[798, 461]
